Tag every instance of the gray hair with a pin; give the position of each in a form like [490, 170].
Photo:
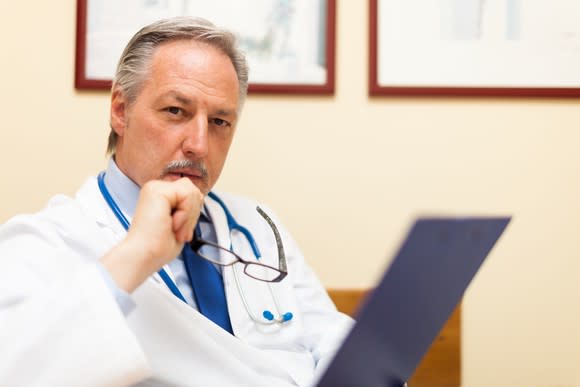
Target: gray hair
[134, 62]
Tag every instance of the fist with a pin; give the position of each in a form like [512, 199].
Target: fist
[165, 218]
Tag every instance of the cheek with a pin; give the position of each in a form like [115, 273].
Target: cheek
[154, 147]
[221, 146]
[158, 139]
[218, 152]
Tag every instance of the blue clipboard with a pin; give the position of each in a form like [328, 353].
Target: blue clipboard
[414, 299]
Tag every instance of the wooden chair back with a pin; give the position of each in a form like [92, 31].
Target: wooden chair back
[441, 366]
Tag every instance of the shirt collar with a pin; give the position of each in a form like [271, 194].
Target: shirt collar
[125, 191]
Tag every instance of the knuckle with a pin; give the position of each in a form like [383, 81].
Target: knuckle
[186, 183]
[151, 185]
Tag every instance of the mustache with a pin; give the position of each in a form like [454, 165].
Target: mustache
[180, 165]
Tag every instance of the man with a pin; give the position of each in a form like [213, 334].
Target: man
[84, 302]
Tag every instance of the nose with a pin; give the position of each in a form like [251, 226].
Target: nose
[195, 143]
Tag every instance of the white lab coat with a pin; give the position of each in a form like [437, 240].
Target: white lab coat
[61, 326]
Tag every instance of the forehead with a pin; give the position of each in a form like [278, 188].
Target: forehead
[187, 66]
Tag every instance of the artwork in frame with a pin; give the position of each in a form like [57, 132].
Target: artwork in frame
[289, 44]
[527, 48]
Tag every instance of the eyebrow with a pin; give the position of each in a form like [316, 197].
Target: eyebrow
[226, 112]
[186, 101]
[178, 97]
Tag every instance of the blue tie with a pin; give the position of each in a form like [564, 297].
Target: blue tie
[208, 287]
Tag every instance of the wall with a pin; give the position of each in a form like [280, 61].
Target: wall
[347, 174]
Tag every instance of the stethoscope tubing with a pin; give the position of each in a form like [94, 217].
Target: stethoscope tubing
[232, 225]
[125, 223]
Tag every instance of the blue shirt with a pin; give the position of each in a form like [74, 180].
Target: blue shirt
[125, 192]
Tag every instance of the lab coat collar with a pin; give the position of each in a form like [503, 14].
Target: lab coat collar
[217, 217]
[90, 198]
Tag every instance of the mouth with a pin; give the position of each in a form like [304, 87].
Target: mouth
[195, 171]
[192, 175]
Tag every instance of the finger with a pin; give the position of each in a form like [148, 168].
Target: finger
[186, 209]
[183, 225]
[186, 194]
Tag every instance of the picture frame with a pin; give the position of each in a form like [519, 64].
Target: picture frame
[488, 48]
[283, 58]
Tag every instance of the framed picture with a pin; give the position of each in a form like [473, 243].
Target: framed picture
[475, 48]
[289, 44]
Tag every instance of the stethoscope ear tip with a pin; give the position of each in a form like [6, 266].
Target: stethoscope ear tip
[268, 315]
[283, 318]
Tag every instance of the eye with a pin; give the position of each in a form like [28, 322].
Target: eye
[173, 110]
[219, 122]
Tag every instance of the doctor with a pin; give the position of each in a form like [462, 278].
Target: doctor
[147, 277]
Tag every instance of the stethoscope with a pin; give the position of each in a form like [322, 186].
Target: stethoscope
[233, 225]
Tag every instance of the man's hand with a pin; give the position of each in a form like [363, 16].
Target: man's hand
[165, 217]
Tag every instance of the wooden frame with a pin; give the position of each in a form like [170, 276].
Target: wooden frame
[490, 49]
[304, 66]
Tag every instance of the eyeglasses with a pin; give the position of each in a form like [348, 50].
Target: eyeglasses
[253, 269]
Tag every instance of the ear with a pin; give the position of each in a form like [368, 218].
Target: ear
[118, 112]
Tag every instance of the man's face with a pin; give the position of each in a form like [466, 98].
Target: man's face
[184, 115]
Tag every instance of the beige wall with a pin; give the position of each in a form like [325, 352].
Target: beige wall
[349, 168]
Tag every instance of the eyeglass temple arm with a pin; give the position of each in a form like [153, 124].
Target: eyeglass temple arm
[281, 255]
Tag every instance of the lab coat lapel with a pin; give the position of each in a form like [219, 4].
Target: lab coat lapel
[189, 338]
[93, 203]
